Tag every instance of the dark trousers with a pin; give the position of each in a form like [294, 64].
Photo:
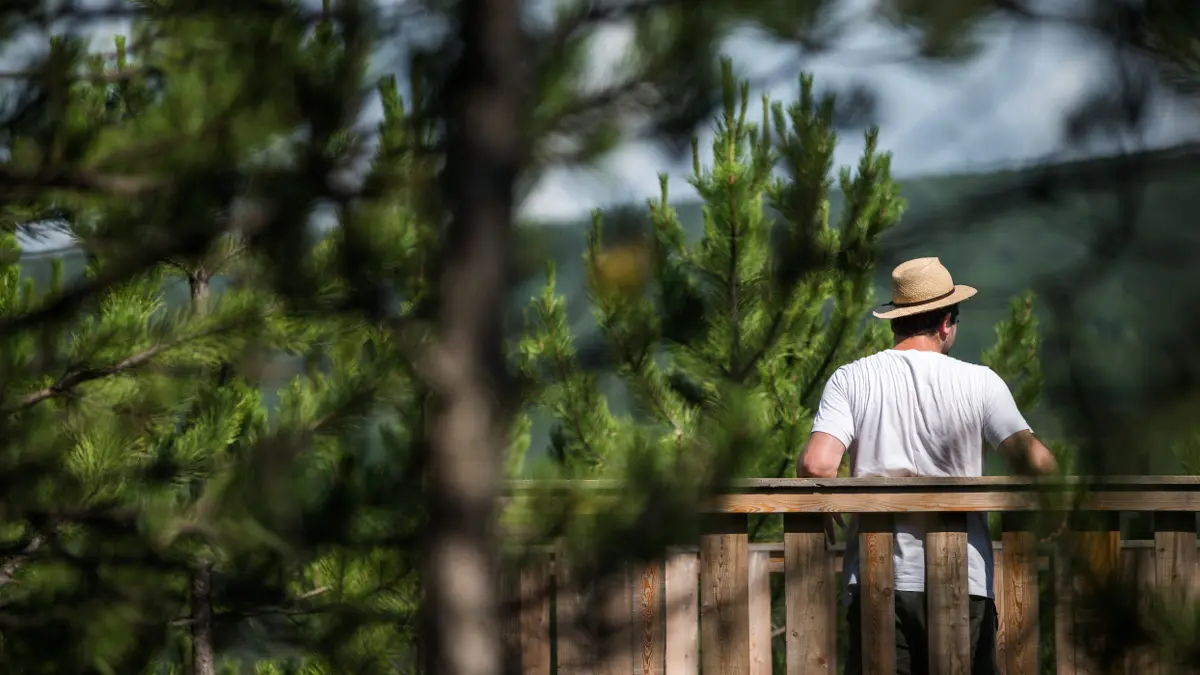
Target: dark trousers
[912, 636]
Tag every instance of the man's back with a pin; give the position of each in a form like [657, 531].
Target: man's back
[919, 413]
[913, 411]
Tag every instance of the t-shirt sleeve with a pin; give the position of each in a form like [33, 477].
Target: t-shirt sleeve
[834, 415]
[1001, 418]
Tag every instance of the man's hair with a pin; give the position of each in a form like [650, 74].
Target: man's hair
[925, 323]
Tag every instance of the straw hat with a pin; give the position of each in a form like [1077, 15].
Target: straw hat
[921, 285]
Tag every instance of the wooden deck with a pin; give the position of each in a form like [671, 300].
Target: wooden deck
[718, 593]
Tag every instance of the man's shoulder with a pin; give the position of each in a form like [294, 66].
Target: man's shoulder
[967, 366]
[850, 368]
[943, 362]
[866, 361]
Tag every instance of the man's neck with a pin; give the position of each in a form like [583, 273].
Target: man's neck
[919, 343]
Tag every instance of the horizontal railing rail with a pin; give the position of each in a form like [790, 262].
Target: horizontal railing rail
[946, 495]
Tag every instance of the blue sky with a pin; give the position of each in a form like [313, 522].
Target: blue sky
[1002, 108]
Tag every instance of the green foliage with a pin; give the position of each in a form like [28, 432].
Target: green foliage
[760, 310]
[1015, 357]
[147, 438]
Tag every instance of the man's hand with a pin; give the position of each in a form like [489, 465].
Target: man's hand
[830, 531]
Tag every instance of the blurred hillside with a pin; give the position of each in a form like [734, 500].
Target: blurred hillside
[1007, 232]
[1002, 232]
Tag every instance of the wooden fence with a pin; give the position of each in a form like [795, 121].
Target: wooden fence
[718, 593]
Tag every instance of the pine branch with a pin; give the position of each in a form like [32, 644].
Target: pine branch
[76, 378]
[257, 220]
[55, 13]
[268, 610]
[767, 343]
[107, 77]
[574, 415]
[10, 567]
[35, 182]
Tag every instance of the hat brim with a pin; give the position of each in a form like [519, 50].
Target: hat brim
[956, 296]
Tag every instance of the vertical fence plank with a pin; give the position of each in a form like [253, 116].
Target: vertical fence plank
[1064, 616]
[724, 610]
[877, 593]
[576, 650]
[1175, 552]
[759, 606]
[1017, 596]
[617, 641]
[1086, 563]
[682, 582]
[1099, 552]
[1148, 663]
[510, 614]
[1137, 568]
[947, 595]
[1175, 559]
[999, 586]
[810, 596]
[650, 611]
[535, 615]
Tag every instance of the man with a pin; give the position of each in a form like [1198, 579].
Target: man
[914, 411]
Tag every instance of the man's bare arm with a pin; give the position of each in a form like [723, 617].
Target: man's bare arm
[1027, 455]
[821, 457]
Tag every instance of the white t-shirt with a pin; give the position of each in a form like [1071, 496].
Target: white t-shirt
[918, 413]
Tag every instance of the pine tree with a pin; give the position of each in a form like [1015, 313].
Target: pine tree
[1015, 356]
[155, 517]
[768, 303]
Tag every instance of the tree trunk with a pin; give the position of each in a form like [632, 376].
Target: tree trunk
[203, 652]
[466, 368]
[198, 286]
[203, 655]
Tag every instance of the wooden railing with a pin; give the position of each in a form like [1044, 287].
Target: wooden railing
[718, 594]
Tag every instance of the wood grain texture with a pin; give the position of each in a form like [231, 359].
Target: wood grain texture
[616, 652]
[810, 597]
[1098, 552]
[650, 613]
[535, 615]
[838, 550]
[878, 597]
[940, 501]
[1175, 552]
[1017, 597]
[921, 483]
[1064, 616]
[510, 616]
[682, 589]
[1138, 571]
[724, 608]
[576, 648]
[1175, 561]
[759, 606]
[998, 592]
[912, 494]
[947, 595]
